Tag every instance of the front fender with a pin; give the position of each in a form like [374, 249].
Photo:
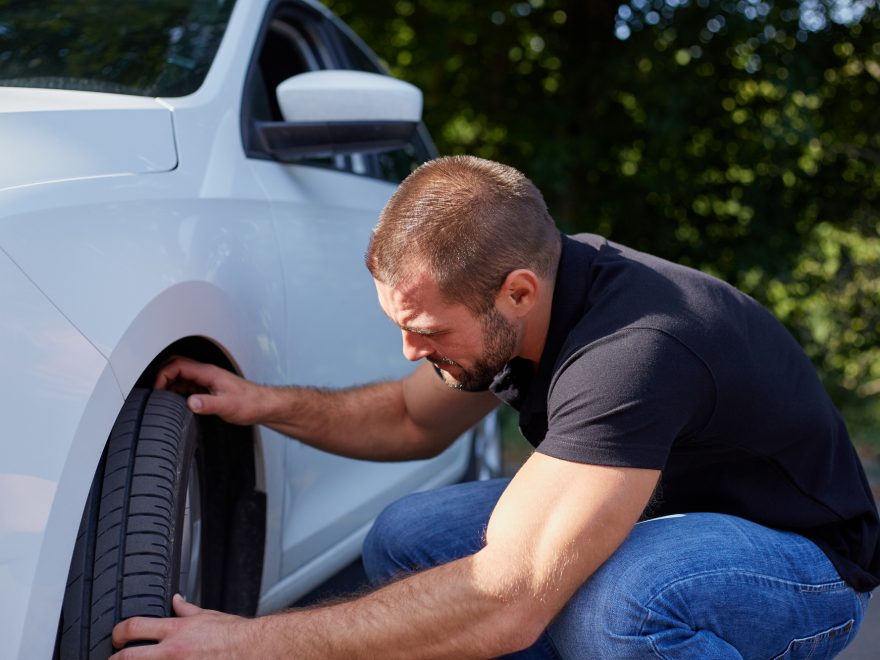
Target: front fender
[58, 393]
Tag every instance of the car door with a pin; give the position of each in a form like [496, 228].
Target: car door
[337, 335]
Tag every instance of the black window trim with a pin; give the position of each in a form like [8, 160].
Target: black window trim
[307, 15]
[326, 31]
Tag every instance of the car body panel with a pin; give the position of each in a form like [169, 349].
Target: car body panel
[60, 134]
[349, 339]
[306, 576]
[41, 490]
[105, 263]
[155, 258]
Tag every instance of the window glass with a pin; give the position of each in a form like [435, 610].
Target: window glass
[394, 165]
[139, 47]
[292, 44]
[296, 41]
[358, 58]
[287, 51]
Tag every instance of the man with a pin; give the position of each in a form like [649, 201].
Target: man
[651, 391]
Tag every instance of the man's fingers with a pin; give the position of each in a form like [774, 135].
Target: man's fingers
[182, 608]
[193, 633]
[187, 370]
[204, 404]
[146, 652]
[141, 628]
[210, 390]
[168, 373]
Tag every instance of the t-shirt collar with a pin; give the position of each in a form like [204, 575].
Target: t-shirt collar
[517, 384]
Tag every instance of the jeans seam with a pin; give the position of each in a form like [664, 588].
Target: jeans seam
[648, 612]
[801, 586]
[654, 649]
[825, 587]
[822, 636]
[552, 647]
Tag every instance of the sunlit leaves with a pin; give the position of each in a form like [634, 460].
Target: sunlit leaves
[832, 296]
[737, 136]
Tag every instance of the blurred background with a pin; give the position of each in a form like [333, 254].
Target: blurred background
[741, 138]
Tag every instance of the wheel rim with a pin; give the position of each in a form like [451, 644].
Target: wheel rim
[190, 582]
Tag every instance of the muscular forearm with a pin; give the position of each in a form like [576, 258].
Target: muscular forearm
[465, 609]
[459, 610]
[538, 552]
[367, 422]
[416, 417]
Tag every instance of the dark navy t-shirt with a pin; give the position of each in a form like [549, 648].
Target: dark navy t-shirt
[653, 365]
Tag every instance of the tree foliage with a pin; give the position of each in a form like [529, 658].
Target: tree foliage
[742, 138]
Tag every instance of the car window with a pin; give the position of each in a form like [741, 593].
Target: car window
[293, 40]
[296, 39]
[394, 165]
[139, 47]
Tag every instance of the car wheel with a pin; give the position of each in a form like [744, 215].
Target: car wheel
[141, 535]
[486, 460]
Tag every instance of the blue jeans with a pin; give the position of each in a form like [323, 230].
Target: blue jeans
[701, 585]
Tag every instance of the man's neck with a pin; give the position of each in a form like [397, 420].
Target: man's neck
[537, 324]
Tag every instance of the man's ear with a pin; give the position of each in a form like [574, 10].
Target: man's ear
[518, 293]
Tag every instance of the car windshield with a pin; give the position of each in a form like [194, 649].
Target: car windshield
[141, 47]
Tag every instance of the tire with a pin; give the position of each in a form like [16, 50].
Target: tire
[141, 533]
[486, 461]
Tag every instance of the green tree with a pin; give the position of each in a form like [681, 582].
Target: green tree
[740, 137]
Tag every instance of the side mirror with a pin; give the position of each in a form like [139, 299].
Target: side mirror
[330, 113]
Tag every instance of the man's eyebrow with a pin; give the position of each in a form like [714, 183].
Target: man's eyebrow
[425, 332]
[419, 331]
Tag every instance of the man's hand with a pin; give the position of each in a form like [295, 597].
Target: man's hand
[539, 551]
[398, 420]
[214, 391]
[195, 633]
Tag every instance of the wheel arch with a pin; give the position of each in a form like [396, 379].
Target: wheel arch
[233, 461]
[236, 490]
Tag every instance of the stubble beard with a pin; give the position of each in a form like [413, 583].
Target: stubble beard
[499, 341]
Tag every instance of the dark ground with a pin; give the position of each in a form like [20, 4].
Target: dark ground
[866, 646]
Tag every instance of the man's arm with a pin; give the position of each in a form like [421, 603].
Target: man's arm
[553, 527]
[416, 417]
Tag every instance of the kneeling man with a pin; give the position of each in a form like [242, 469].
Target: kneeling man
[693, 492]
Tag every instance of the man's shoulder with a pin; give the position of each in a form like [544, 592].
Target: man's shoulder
[629, 288]
[634, 351]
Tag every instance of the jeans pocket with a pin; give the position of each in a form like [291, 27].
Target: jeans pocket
[825, 644]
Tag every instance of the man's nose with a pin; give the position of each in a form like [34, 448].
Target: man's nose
[415, 346]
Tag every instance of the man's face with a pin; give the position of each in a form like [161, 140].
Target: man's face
[467, 349]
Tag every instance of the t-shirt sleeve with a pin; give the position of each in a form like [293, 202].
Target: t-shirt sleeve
[625, 399]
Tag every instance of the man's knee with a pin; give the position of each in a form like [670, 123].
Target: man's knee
[388, 543]
[621, 613]
[430, 528]
[703, 585]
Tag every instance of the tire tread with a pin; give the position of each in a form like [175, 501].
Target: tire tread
[122, 563]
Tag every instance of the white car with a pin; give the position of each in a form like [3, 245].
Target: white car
[158, 198]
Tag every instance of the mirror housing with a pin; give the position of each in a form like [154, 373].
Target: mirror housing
[331, 113]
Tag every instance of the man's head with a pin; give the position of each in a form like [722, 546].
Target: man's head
[467, 223]
[459, 256]
[466, 349]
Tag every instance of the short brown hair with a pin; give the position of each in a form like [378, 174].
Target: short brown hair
[468, 222]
